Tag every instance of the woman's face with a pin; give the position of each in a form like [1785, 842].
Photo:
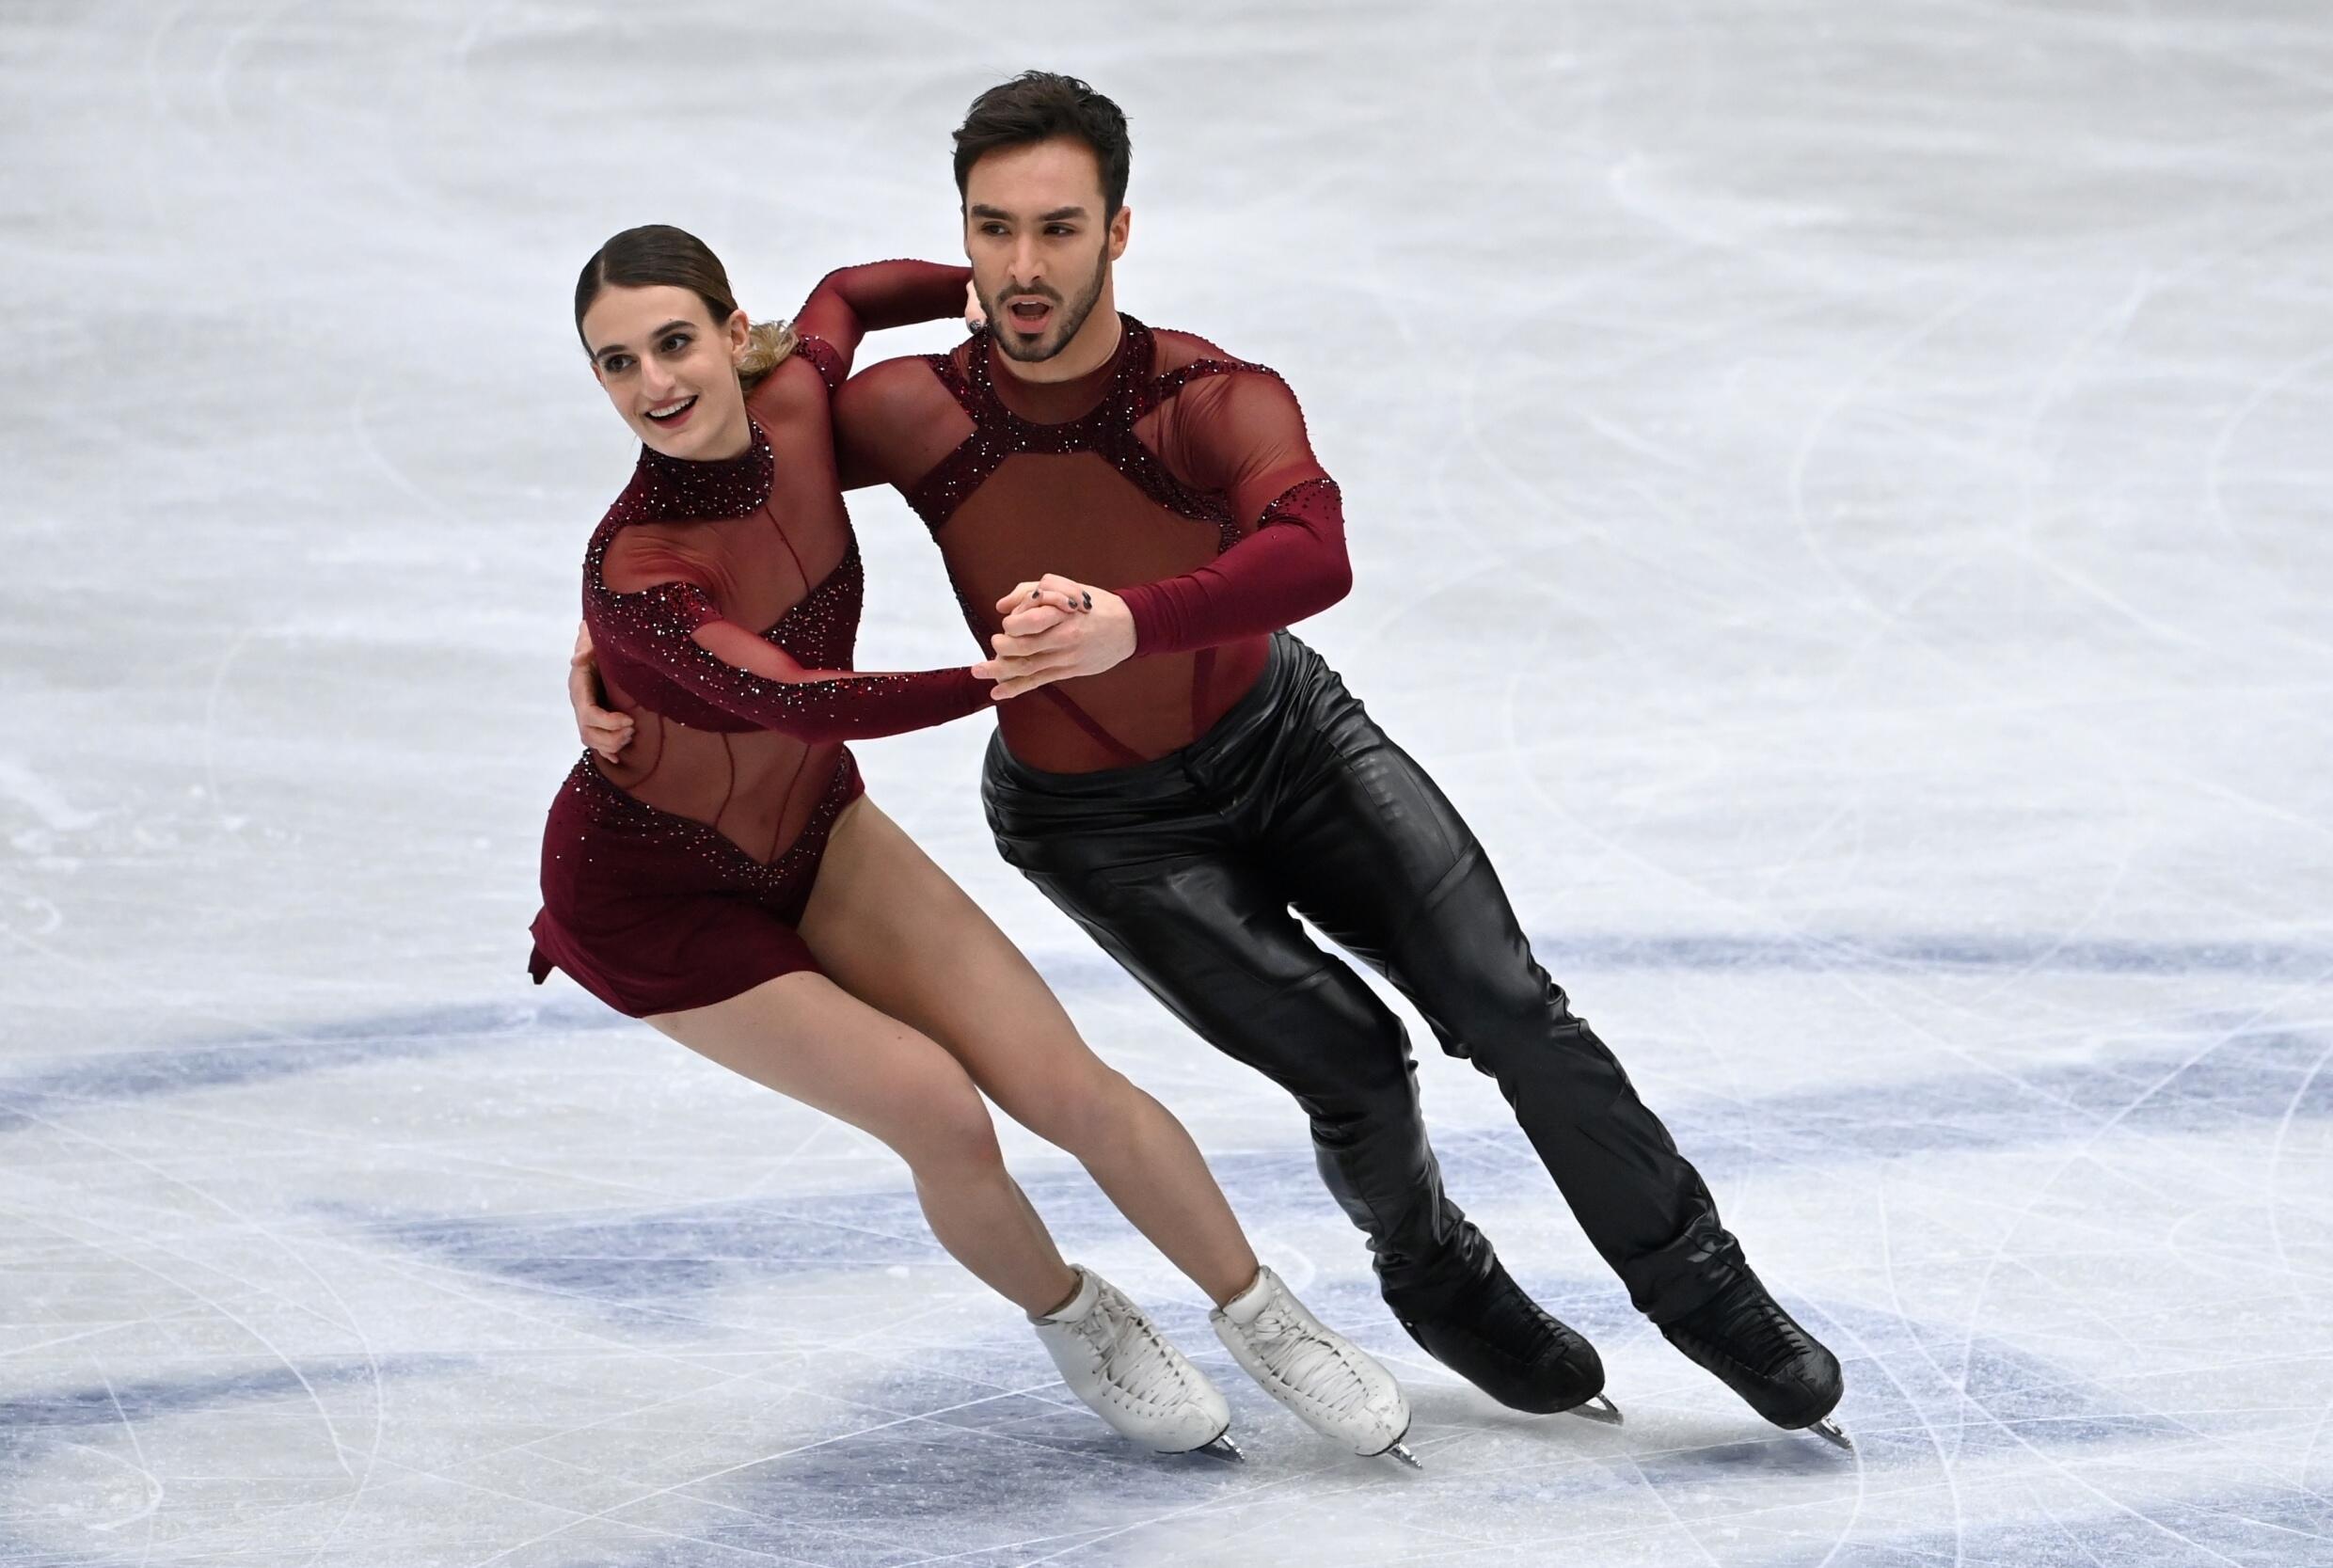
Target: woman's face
[669, 371]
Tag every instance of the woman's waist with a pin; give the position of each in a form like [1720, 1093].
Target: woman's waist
[746, 785]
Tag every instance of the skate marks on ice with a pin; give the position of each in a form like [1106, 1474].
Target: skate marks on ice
[208, 1062]
[938, 1467]
[2132, 1527]
[165, 1427]
[862, 1445]
[1937, 952]
[114, 1078]
[2253, 1073]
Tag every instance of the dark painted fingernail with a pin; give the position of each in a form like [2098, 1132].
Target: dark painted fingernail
[1090, 601]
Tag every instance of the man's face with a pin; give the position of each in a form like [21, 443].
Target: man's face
[1040, 244]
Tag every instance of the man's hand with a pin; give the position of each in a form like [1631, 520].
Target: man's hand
[1055, 630]
[605, 732]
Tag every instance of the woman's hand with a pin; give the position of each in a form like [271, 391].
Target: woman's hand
[975, 317]
[604, 731]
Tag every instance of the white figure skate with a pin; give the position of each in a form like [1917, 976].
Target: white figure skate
[1332, 1384]
[1113, 1358]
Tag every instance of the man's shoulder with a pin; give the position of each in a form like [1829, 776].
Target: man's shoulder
[1182, 359]
[894, 420]
[1179, 350]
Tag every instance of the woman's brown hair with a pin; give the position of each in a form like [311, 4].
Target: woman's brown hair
[657, 253]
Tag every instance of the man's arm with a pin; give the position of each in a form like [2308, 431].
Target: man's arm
[1245, 438]
[851, 302]
[602, 729]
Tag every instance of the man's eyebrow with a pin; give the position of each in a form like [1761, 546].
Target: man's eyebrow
[676, 321]
[982, 210]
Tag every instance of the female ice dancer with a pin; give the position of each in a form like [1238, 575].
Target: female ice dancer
[728, 881]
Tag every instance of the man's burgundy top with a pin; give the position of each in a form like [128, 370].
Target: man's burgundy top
[723, 598]
[1175, 476]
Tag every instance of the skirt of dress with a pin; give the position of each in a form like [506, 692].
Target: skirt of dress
[656, 913]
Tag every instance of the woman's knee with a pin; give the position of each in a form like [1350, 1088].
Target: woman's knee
[945, 1132]
[1083, 1113]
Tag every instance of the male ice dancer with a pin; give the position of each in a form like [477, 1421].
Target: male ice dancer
[1184, 772]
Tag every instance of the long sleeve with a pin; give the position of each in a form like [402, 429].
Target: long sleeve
[1243, 436]
[851, 302]
[675, 635]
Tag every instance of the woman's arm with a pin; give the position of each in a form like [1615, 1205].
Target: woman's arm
[677, 631]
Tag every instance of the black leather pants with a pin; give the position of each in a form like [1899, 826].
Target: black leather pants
[1185, 869]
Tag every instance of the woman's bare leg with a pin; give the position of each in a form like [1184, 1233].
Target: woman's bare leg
[893, 929]
[805, 1036]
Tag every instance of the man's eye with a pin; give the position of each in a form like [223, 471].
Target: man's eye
[1060, 228]
[991, 229]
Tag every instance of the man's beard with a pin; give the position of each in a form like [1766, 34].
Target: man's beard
[1073, 320]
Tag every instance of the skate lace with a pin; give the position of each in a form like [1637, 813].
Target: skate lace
[1133, 1358]
[1298, 1353]
[1760, 1335]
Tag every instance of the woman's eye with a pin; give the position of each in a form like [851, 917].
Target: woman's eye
[615, 363]
[674, 344]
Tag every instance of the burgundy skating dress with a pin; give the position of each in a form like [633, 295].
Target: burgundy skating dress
[723, 601]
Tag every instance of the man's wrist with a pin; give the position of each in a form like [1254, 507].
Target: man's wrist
[1140, 604]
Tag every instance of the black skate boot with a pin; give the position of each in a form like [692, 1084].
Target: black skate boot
[1759, 1350]
[1505, 1344]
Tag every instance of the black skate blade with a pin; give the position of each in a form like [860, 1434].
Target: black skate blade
[1599, 1410]
[1223, 1449]
[1831, 1433]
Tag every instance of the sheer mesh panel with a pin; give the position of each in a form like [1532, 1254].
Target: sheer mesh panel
[762, 548]
[1138, 477]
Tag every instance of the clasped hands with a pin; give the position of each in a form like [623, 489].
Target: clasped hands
[1055, 630]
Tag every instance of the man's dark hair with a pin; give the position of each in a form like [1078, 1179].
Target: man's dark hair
[1038, 106]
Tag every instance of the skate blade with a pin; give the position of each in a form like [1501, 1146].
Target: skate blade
[1398, 1451]
[1223, 1448]
[1832, 1434]
[1599, 1410]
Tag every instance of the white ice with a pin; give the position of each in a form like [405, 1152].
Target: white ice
[1838, 495]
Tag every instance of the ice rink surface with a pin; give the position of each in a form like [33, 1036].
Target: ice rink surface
[1839, 496]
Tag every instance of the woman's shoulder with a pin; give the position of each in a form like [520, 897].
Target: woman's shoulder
[793, 391]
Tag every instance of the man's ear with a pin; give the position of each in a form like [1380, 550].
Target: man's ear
[1120, 226]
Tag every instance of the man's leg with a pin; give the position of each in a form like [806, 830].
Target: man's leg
[1380, 861]
[1155, 875]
